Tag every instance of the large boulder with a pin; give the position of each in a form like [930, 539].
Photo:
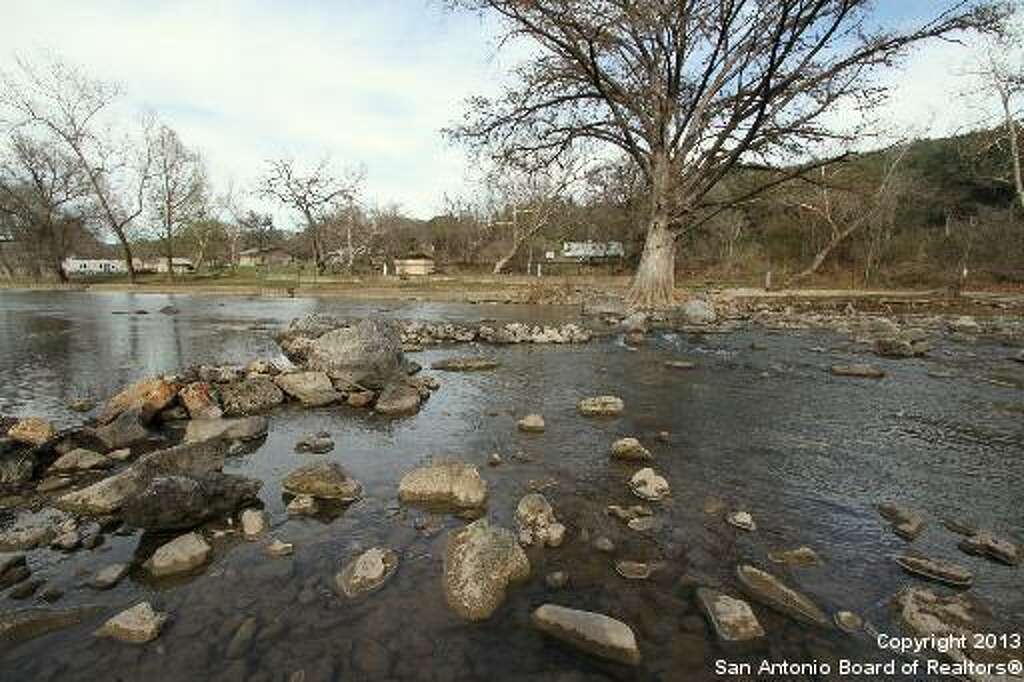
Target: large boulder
[249, 396]
[368, 353]
[481, 561]
[32, 431]
[324, 481]
[180, 555]
[149, 397]
[313, 389]
[450, 483]
[593, 633]
[201, 400]
[243, 428]
[181, 502]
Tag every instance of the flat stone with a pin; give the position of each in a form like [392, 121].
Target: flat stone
[801, 556]
[937, 570]
[451, 483]
[630, 449]
[858, 370]
[313, 389]
[243, 428]
[277, 548]
[398, 399]
[32, 431]
[54, 483]
[137, 625]
[732, 619]
[680, 364]
[325, 481]
[602, 405]
[466, 364]
[181, 555]
[18, 626]
[995, 548]
[315, 443]
[593, 633]
[480, 562]
[849, 622]
[771, 592]
[905, 522]
[367, 572]
[79, 459]
[531, 423]
[633, 570]
[648, 485]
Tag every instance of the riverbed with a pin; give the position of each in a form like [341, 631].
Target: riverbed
[759, 425]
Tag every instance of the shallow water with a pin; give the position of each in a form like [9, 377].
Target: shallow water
[768, 431]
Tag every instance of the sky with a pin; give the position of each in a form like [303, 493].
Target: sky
[369, 83]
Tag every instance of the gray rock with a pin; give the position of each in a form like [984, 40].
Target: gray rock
[593, 633]
[313, 389]
[988, 545]
[367, 572]
[905, 522]
[801, 556]
[325, 481]
[124, 431]
[254, 523]
[181, 555]
[732, 619]
[368, 353]
[771, 592]
[109, 576]
[399, 398]
[181, 502]
[647, 485]
[137, 625]
[250, 396]
[17, 463]
[601, 406]
[698, 311]
[242, 640]
[937, 570]
[466, 364]
[316, 443]
[452, 483]
[79, 459]
[480, 562]
[26, 624]
[858, 370]
[244, 428]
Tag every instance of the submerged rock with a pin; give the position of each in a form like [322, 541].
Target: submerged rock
[181, 555]
[900, 347]
[537, 522]
[313, 389]
[367, 572]
[25, 624]
[905, 522]
[742, 520]
[593, 633]
[451, 483]
[732, 619]
[531, 423]
[137, 625]
[32, 431]
[467, 364]
[937, 570]
[988, 545]
[601, 406]
[801, 556]
[629, 449]
[858, 370]
[181, 502]
[648, 485]
[680, 364]
[249, 396]
[278, 548]
[109, 577]
[480, 562]
[243, 428]
[633, 570]
[771, 592]
[315, 443]
[849, 622]
[254, 523]
[324, 481]
[303, 505]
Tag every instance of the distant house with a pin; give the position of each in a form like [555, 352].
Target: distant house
[158, 264]
[415, 264]
[588, 251]
[251, 258]
[93, 266]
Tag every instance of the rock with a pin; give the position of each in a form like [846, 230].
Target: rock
[742, 520]
[66, 542]
[25, 589]
[960, 527]
[360, 399]
[801, 556]
[771, 592]
[242, 639]
[494, 460]
[635, 322]
[480, 562]
[367, 572]
[697, 311]
[124, 431]
[603, 405]
[181, 555]
[17, 539]
[593, 633]
[680, 364]
[537, 522]
[249, 396]
[988, 545]
[224, 374]
[32, 431]
[648, 485]
[849, 622]
[148, 398]
[604, 544]
[732, 619]
[169, 310]
[906, 523]
[254, 523]
[368, 353]
[965, 324]
[643, 524]
[51, 594]
[201, 400]
[633, 570]
[1019, 357]
[450, 483]
[468, 364]
[180, 502]
[81, 405]
[324, 481]
[898, 347]
[531, 423]
[25, 624]
[934, 569]
[277, 548]
[397, 399]
[79, 460]
[556, 580]
[629, 449]
[17, 463]
[313, 389]
[316, 443]
[858, 370]
[121, 455]
[244, 429]
[634, 339]
[137, 625]
[13, 569]
[303, 505]
[109, 576]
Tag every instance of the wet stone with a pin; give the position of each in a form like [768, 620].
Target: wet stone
[732, 619]
[137, 625]
[110, 576]
[742, 520]
[594, 633]
[531, 423]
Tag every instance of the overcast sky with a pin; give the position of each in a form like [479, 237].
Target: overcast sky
[369, 82]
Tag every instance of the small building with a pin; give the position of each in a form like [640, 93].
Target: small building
[272, 255]
[158, 264]
[590, 251]
[93, 266]
[417, 264]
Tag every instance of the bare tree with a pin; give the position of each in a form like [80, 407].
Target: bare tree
[61, 101]
[313, 193]
[689, 90]
[179, 191]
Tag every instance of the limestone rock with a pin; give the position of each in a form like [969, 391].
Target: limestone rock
[937, 570]
[905, 522]
[277, 548]
[531, 423]
[732, 619]
[148, 397]
[79, 459]
[244, 429]
[316, 443]
[452, 483]
[602, 405]
[648, 485]
[593, 633]
[124, 431]
[480, 562]
[988, 545]
[742, 520]
[254, 523]
[771, 592]
[32, 431]
[368, 353]
[183, 554]
[858, 370]
[137, 625]
[201, 400]
[313, 389]
[537, 522]
[367, 572]
[629, 449]
[303, 505]
[109, 576]
[250, 396]
[181, 502]
[801, 556]
[397, 399]
[466, 364]
[325, 481]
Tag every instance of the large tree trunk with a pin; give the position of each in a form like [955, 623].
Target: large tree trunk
[654, 282]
